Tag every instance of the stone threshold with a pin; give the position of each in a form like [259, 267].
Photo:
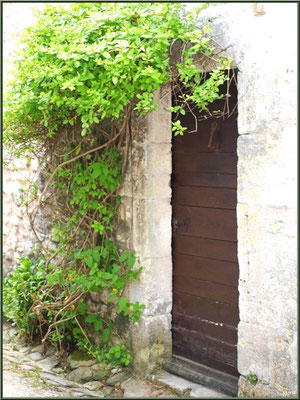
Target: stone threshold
[192, 389]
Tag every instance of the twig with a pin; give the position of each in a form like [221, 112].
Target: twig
[54, 324]
[83, 331]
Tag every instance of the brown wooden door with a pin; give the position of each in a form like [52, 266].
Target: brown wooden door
[204, 244]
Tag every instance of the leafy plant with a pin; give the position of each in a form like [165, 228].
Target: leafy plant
[252, 378]
[115, 355]
[20, 288]
[89, 61]
[177, 128]
[80, 74]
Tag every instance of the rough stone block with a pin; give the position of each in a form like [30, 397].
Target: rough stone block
[139, 127]
[152, 227]
[268, 353]
[246, 389]
[254, 350]
[260, 311]
[93, 385]
[134, 388]
[159, 158]
[155, 186]
[152, 343]
[126, 188]
[154, 288]
[138, 157]
[262, 271]
[242, 245]
[56, 380]
[261, 389]
[79, 359]
[195, 390]
[284, 376]
[159, 121]
[267, 258]
[266, 167]
[85, 374]
[259, 82]
[125, 210]
[118, 377]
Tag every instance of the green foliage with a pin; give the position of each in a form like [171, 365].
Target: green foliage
[87, 62]
[51, 302]
[20, 288]
[252, 378]
[115, 355]
[79, 70]
[177, 128]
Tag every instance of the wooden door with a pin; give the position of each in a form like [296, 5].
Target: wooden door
[204, 242]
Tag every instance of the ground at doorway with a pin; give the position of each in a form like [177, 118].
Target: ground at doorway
[29, 373]
[195, 390]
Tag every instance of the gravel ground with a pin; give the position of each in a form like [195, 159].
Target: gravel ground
[17, 383]
[28, 373]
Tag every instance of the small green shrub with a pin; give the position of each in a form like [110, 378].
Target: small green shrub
[252, 378]
[20, 289]
[114, 355]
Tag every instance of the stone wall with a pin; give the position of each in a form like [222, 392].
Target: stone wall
[262, 44]
[264, 51]
[18, 238]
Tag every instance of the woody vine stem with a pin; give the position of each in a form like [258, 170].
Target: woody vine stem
[81, 73]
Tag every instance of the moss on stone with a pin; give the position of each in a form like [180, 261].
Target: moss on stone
[79, 356]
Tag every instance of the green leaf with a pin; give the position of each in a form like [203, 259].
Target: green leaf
[51, 279]
[91, 318]
[124, 256]
[61, 281]
[131, 261]
[98, 227]
[106, 275]
[76, 331]
[116, 268]
[98, 324]
[89, 261]
[106, 54]
[105, 335]
[112, 298]
[115, 80]
[96, 255]
[104, 252]
[82, 308]
[122, 303]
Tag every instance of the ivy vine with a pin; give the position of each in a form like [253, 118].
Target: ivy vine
[80, 74]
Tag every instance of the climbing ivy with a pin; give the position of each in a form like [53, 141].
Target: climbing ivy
[80, 74]
[90, 60]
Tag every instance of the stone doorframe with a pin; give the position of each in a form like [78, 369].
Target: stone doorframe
[146, 214]
[146, 203]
